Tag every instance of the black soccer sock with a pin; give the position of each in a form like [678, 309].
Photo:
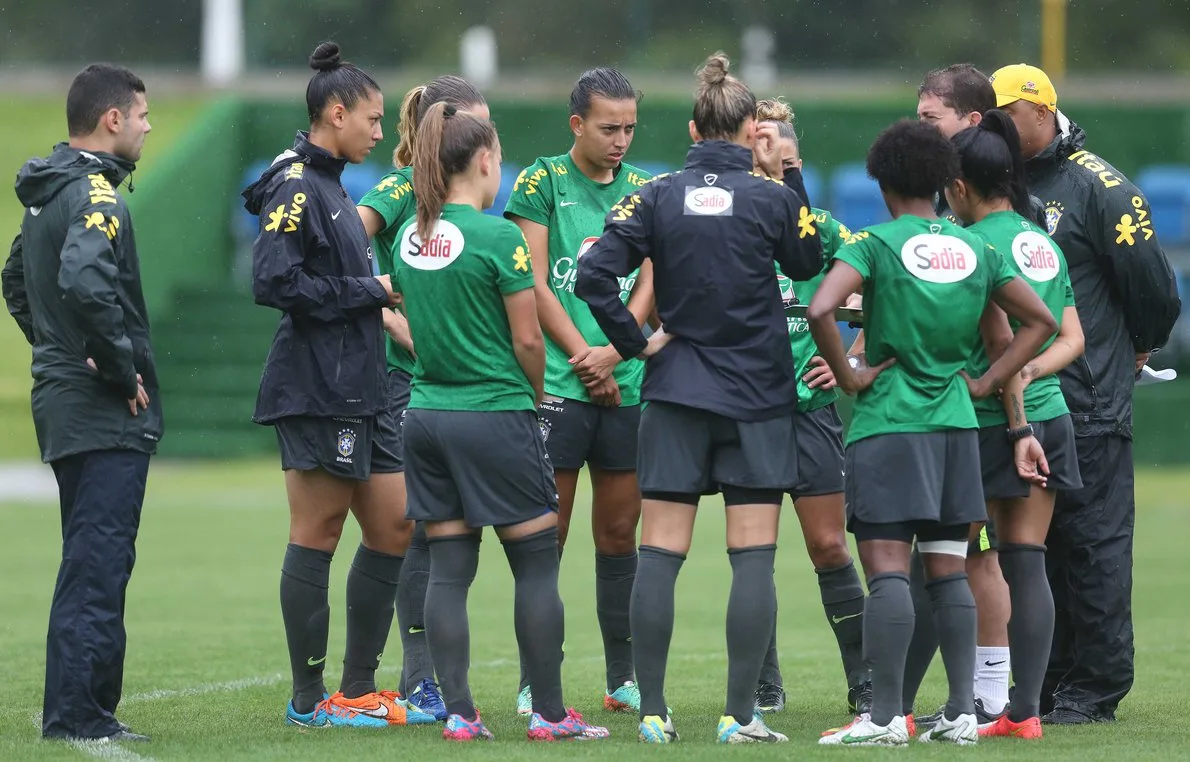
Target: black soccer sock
[843, 601]
[371, 600]
[770, 670]
[1031, 628]
[954, 616]
[751, 612]
[540, 618]
[888, 628]
[924, 644]
[453, 561]
[614, 576]
[652, 621]
[411, 613]
[305, 610]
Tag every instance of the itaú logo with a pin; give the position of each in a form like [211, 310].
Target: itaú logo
[937, 258]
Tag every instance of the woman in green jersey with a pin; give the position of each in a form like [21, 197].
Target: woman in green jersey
[818, 498]
[384, 210]
[990, 196]
[912, 458]
[474, 451]
[560, 203]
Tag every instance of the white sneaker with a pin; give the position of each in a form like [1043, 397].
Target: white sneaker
[756, 731]
[864, 732]
[964, 730]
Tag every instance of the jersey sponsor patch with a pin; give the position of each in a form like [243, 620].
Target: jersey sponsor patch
[709, 201]
[442, 250]
[1035, 256]
[938, 258]
[585, 246]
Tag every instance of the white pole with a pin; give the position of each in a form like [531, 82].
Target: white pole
[477, 56]
[759, 44]
[222, 41]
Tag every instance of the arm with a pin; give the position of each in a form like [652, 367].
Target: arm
[1036, 325]
[527, 342]
[799, 250]
[842, 280]
[15, 294]
[641, 303]
[1067, 347]
[1136, 268]
[373, 222]
[279, 277]
[554, 320]
[620, 250]
[396, 325]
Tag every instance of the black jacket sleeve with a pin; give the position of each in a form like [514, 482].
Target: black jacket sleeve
[1136, 267]
[799, 249]
[620, 250]
[15, 295]
[88, 275]
[289, 232]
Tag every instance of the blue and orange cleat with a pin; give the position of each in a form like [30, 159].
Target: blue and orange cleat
[329, 713]
[459, 729]
[572, 728]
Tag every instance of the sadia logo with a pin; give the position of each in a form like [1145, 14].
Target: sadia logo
[708, 201]
[938, 258]
[1035, 256]
[585, 246]
[444, 247]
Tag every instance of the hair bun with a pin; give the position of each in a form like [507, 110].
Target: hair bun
[449, 110]
[326, 57]
[714, 70]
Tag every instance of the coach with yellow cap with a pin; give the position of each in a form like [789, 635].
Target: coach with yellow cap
[1127, 303]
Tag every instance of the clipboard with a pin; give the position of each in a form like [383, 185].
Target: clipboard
[842, 314]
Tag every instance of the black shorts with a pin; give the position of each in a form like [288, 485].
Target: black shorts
[897, 478]
[819, 452]
[954, 535]
[579, 433]
[388, 422]
[488, 468]
[686, 451]
[349, 448]
[1000, 479]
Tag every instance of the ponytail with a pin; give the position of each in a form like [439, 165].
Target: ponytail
[448, 88]
[998, 122]
[446, 142]
[991, 162]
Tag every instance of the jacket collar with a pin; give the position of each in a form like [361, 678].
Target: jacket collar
[719, 154]
[317, 157]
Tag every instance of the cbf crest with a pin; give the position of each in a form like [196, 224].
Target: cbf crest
[1053, 213]
[345, 443]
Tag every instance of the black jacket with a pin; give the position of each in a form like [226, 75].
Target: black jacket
[312, 261]
[1124, 288]
[712, 230]
[72, 281]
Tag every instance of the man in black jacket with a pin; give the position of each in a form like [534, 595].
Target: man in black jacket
[72, 282]
[1127, 303]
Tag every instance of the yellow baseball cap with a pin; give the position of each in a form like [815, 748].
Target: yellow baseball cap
[1022, 82]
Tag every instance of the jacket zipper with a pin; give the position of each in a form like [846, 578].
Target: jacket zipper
[1091, 383]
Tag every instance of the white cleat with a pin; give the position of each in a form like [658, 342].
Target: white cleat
[963, 730]
[756, 731]
[864, 732]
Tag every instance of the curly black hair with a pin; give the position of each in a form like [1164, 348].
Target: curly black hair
[912, 159]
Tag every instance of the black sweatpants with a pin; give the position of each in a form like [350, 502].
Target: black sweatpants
[100, 495]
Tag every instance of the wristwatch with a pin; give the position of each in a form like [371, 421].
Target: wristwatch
[1016, 435]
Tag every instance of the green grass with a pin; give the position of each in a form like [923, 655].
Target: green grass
[203, 613]
[43, 124]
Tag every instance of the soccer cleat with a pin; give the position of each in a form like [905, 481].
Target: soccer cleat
[458, 729]
[910, 726]
[426, 697]
[386, 706]
[524, 701]
[963, 730]
[626, 698]
[982, 716]
[330, 713]
[770, 697]
[756, 731]
[1066, 716]
[864, 732]
[572, 728]
[1030, 729]
[654, 729]
[859, 697]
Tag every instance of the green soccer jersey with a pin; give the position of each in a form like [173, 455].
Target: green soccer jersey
[1032, 254]
[454, 288]
[926, 283]
[833, 234]
[555, 193]
[393, 200]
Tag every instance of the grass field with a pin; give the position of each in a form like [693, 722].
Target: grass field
[43, 124]
[206, 671]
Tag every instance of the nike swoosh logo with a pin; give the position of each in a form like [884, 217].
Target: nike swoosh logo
[837, 619]
[335, 216]
[568, 203]
[380, 711]
[35, 210]
[995, 663]
[416, 630]
[315, 662]
[862, 739]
